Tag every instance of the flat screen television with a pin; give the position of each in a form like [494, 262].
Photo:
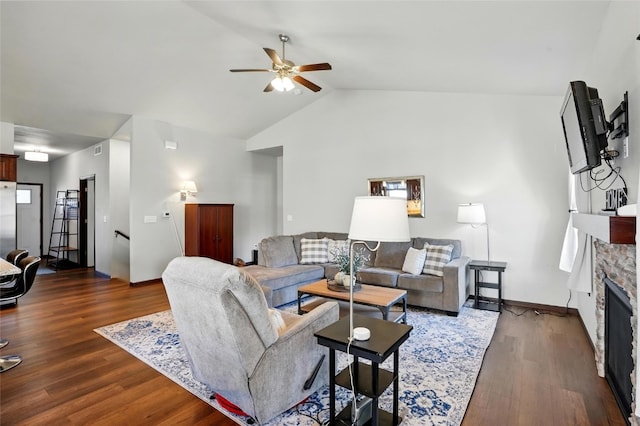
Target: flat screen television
[584, 125]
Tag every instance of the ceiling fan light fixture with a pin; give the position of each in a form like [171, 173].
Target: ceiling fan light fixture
[287, 71]
[282, 84]
[288, 84]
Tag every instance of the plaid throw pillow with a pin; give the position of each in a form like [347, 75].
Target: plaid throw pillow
[437, 257]
[314, 251]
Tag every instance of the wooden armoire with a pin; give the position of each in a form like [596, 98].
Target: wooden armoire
[209, 231]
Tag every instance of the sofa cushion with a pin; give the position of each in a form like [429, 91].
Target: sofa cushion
[429, 283]
[334, 247]
[333, 235]
[386, 277]
[437, 257]
[277, 278]
[314, 251]
[298, 238]
[278, 251]
[391, 255]
[414, 261]
[418, 242]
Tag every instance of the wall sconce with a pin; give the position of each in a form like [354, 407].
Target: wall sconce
[188, 188]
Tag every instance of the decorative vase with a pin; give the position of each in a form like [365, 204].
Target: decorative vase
[339, 277]
[346, 280]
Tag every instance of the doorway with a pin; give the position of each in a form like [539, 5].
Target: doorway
[87, 221]
[29, 217]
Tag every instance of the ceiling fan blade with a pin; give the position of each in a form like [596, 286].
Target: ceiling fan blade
[273, 55]
[251, 70]
[306, 83]
[269, 88]
[313, 67]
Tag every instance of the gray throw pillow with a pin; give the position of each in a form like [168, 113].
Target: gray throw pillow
[278, 251]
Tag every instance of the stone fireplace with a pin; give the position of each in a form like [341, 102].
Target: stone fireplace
[617, 263]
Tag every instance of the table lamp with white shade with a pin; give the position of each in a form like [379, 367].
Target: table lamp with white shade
[379, 219]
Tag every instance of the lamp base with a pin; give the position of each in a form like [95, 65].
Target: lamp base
[361, 333]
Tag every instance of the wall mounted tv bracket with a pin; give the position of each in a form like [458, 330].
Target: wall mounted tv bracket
[619, 119]
[616, 127]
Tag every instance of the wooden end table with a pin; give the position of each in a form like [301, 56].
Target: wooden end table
[369, 379]
[483, 265]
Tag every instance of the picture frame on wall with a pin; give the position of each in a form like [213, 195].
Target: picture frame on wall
[409, 187]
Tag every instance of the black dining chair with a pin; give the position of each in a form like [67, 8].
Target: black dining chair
[14, 256]
[24, 281]
[29, 266]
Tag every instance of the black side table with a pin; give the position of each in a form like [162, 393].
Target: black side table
[369, 379]
[483, 265]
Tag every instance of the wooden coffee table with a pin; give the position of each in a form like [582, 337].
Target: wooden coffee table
[381, 298]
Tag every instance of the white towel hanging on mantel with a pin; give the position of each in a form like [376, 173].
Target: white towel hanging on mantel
[570, 244]
[575, 257]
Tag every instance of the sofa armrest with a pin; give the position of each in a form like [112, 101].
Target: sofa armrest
[318, 318]
[455, 284]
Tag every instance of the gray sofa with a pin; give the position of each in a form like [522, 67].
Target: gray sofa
[280, 270]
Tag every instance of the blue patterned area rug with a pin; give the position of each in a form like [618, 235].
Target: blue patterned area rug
[439, 365]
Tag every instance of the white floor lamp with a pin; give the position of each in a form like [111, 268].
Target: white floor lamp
[474, 215]
[380, 219]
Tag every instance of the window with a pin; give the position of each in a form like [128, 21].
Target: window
[23, 196]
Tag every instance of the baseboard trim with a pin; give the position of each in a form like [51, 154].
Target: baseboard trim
[102, 274]
[586, 334]
[541, 307]
[533, 306]
[147, 282]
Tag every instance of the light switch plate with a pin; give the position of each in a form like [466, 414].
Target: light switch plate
[150, 219]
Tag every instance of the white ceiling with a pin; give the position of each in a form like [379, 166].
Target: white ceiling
[83, 68]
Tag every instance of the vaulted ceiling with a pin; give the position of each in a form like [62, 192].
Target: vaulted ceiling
[83, 68]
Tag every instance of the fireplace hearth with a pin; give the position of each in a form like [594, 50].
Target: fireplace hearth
[615, 281]
[618, 345]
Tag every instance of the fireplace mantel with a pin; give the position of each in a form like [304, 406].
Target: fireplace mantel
[610, 229]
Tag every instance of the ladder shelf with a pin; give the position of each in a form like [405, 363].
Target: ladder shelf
[63, 242]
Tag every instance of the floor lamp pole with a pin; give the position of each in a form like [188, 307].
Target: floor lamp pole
[351, 281]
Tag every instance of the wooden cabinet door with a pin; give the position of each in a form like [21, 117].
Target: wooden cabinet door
[8, 167]
[225, 234]
[209, 231]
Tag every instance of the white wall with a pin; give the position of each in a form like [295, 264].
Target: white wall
[613, 70]
[66, 173]
[119, 169]
[504, 151]
[279, 185]
[6, 137]
[36, 172]
[224, 173]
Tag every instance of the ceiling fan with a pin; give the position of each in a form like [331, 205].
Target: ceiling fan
[287, 71]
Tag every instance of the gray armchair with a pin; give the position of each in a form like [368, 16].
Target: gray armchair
[233, 345]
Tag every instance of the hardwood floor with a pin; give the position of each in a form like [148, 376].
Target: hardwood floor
[539, 370]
